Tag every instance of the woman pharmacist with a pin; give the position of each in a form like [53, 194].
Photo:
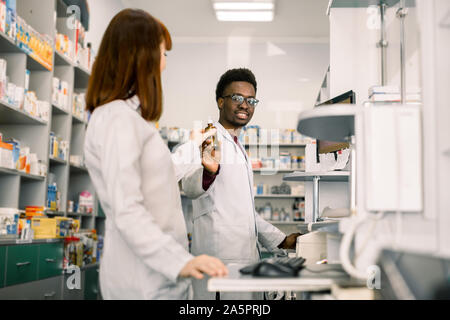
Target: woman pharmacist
[145, 255]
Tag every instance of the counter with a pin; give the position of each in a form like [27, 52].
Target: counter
[312, 278]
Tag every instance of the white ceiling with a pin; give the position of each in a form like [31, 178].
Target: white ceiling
[196, 18]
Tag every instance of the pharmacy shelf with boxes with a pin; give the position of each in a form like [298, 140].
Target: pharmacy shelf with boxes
[274, 153]
[44, 73]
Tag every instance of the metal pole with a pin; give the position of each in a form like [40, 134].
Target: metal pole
[315, 217]
[383, 43]
[353, 176]
[402, 12]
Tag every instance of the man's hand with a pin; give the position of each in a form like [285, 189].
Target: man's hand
[290, 241]
[210, 157]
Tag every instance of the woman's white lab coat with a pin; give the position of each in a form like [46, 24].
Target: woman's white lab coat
[146, 240]
[225, 222]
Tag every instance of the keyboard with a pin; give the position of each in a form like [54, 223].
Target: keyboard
[280, 267]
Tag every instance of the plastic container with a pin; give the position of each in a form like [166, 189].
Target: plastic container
[312, 247]
[9, 223]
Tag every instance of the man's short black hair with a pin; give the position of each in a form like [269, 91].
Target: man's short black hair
[234, 75]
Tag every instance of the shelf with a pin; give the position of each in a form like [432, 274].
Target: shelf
[33, 63]
[58, 110]
[273, 170]
[57, 161]
[278, 196]
[287, 223]
[335, 176]
[77, 119]
[281, 145]
[11, 115]
[77, 169]
[81, 77]
[62, 60]
[328, 226]
[32, 241]
[55, 213]
[332, 123]
[25, 176]
[365, 3]
[76, 214]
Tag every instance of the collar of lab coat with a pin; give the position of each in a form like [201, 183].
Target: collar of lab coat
[224, 131]
[228, 136]
[134, 103]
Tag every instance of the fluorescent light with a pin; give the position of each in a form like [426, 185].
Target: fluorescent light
[251, 16]
[243, 6]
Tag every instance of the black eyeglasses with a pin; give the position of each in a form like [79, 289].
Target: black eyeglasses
[238, 99]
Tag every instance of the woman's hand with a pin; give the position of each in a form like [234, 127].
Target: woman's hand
[204, 264]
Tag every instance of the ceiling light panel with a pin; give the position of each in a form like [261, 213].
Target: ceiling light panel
[243, 6]
[251, 16]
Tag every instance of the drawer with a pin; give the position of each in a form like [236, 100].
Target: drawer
[50, 260]
[91, 285]
[2, 266]
[22, 264]
[48, 289]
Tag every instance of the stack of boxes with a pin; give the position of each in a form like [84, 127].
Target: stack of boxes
[60, 94]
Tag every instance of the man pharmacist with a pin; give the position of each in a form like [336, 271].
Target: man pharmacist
[225, 223]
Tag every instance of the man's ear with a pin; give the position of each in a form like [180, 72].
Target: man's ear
[220, 103]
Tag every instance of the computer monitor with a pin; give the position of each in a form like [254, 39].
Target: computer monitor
[330, 146]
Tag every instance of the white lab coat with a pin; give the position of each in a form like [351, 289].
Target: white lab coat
[225, 222]
[132, 172]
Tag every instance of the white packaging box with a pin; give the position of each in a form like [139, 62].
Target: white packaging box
[27, 80]
[11, 92]
[55, 91]
[3, 65]
[19, 96]
[6, 158]
[2, 17]
[64, 93]
[44, 110]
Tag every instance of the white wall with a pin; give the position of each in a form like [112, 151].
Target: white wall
[101, 13]
[355, 65]
[289, 73]
[356, 61]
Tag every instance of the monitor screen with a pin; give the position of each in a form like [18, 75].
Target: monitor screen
[330, 146]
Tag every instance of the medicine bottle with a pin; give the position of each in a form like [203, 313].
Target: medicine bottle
[213, 139]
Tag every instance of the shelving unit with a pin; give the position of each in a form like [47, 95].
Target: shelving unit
[274, 176]
[28, 190]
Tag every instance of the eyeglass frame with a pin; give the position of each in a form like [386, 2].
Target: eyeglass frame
[245, 99]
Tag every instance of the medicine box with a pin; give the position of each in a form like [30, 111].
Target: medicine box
[9, 220]
[6, 155]
[55, 228]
